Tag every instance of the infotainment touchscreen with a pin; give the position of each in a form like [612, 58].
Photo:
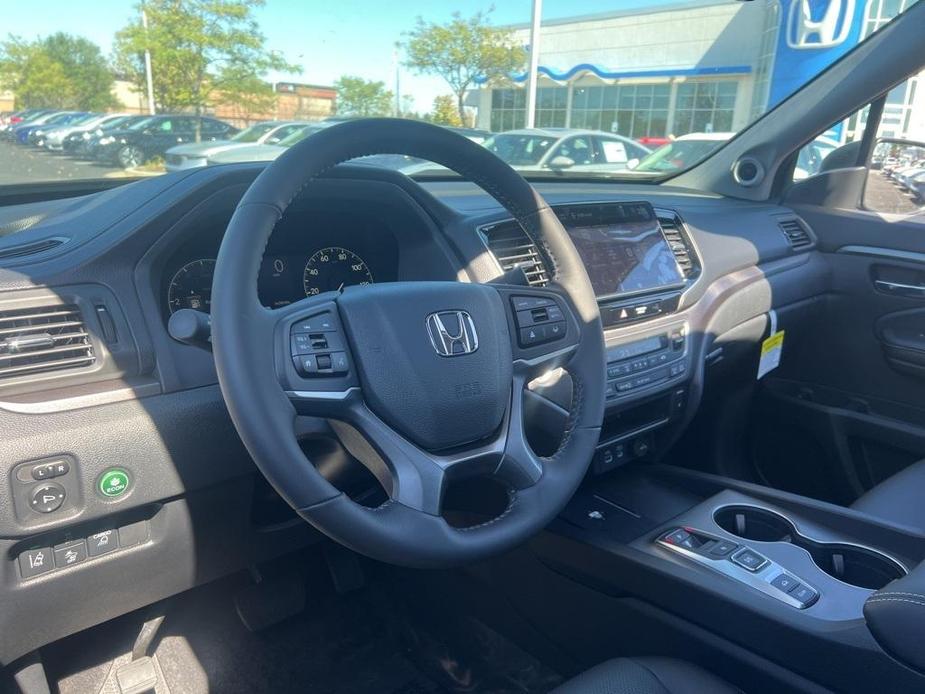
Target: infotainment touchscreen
[622, 246]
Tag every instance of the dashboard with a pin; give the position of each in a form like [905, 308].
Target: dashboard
[676, 272]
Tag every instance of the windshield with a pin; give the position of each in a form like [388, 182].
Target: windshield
[254, 133]
[623, 89]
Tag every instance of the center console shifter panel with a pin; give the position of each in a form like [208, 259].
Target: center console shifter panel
[740, 563]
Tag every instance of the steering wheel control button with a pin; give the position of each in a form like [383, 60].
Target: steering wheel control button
[749, 559]
[48, 498]
[527, 303]
[102, 543]
[324, 362]
[33, 562]
[70, 553]
[114, 483]
[339, 364]
[322, 323]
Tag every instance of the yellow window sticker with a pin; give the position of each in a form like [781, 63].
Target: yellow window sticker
[771, 350]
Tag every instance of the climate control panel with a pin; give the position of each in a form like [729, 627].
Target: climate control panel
[659, 359]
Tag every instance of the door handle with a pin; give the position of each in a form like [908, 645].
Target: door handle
[900, 288]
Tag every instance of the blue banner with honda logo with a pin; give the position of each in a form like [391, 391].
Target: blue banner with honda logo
[813, 35]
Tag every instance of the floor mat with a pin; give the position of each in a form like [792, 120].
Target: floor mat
[372, 640]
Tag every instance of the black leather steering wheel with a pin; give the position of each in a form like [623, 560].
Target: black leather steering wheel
[428, 375]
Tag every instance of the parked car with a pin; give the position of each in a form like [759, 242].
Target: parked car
[18, 118]
[560, 149]
[54, 138]
[682, 152]
[21, 132]
[38, 135]
[153, 136]
[197, 154]
[917, 187]
[266, 152]
[81, 142]
[34, 118]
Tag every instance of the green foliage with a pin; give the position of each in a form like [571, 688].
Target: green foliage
[461, 51]
[61, 71]
[203, 52]
[445, 112]
[359, 97]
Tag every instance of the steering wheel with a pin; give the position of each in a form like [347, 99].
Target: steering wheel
[428, 376]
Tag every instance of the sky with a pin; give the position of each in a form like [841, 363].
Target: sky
[328, 38]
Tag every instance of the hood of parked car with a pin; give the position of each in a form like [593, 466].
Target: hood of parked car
[237, 155]
[203, 149]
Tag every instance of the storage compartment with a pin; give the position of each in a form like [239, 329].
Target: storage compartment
[853, 564]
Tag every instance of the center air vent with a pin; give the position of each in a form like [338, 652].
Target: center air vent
[796, 233]
[677, 238]
[46, 338]
[512, 247]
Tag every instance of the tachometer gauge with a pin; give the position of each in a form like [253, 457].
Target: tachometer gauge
[191, 286]
[333, 268]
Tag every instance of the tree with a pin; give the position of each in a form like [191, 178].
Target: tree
[203, 52]
[359, 97]
[445, 112]
[60, 70]
[462, 51]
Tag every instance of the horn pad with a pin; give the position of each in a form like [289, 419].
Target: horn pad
[434, 358]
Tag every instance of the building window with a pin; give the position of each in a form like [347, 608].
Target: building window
[509, 108]
[705, 107]
[638, 110]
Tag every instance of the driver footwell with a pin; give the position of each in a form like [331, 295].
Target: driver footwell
[374, 639]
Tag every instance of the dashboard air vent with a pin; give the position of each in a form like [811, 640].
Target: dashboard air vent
[796, 233]
[512, 248]
[46, 338]
[677, 238]
[30, 248]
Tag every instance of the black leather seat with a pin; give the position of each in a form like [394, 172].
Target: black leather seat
[898, 498]
[646, 676]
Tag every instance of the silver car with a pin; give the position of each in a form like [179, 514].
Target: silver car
[54, 138]
[266, 151]
[196, 154]
[561, 149]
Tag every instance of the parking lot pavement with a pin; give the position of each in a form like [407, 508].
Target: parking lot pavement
[882, 195]
[19, 164]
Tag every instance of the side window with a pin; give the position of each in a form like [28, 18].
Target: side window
[613, 151]
[896, 169]
[165, 126]
[578, 149]
[283, 133]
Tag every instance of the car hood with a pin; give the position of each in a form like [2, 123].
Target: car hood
[204, 149]
[237, 155]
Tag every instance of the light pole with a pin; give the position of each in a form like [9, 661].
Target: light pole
[395, 55]
[534, 61]
[148, 78]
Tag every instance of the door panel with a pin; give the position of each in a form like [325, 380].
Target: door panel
[848, 411]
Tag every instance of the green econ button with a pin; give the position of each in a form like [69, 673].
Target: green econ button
[114, 482]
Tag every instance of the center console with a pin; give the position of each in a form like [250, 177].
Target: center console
[793, 579]
[639, 261]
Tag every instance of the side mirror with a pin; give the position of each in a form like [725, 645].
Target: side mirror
[896, 177]
[632, 163]
[561, 162]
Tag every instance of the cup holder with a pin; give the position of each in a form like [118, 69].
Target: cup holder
[858, 566]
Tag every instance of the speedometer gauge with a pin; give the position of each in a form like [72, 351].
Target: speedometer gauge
[333, 268]
[191, 286]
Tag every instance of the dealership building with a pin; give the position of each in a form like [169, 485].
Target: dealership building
[708, 66]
